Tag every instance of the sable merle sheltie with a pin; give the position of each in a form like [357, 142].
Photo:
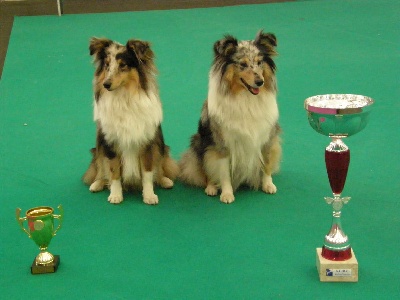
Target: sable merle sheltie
[237, 141]
[130, 149]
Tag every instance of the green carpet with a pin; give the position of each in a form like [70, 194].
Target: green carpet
[191, 246]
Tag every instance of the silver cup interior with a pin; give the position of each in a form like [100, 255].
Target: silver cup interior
[339, 115]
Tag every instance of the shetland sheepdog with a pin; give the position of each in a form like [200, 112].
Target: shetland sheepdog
[130, 150]
[238, 137]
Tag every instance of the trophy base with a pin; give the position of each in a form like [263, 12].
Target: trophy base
[48, 268]
[337, 271]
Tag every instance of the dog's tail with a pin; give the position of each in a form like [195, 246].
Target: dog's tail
[90, 175]
[191, 171]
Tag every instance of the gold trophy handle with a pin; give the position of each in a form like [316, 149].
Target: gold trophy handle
[60, 218]
[21, 221]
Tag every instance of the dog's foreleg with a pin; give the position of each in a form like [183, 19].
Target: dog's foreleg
[146, 164]
[217, 167]
[148, 188]
[272, 157]
[225, 180]
[115, 186]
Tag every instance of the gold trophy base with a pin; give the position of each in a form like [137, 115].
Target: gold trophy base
[48, 268]
[337, 271]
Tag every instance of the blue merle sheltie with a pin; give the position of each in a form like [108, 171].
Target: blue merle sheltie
[130, 150]
[238, 138]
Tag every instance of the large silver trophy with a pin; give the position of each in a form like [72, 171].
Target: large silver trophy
[337, 116]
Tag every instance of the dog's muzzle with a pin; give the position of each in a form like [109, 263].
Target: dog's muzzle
[253, 90]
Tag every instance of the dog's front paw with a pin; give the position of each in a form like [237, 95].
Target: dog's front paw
[211, 190]
[97, 186]
[227, 197]
[269, 188]
[115, 198]
[166, 183]
[151, 199]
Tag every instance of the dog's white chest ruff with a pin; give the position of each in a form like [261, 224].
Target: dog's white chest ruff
[245, 122]
[245, 115]
[128, 120]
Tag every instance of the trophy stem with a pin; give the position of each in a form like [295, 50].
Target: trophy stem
[337, 160]
[336, 244]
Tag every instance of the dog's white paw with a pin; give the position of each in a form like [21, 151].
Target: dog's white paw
[97, 186]
[166, 183]
[227, 197]
[115, 198]
[151, 199]
[115, 192]
[211, 190]
[269, 188]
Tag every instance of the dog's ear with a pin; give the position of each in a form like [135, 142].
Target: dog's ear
[98, 45]
[266, 42]
[141, 50]
[225, 47]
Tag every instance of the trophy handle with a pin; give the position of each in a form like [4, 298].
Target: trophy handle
[60, 218]
[21, 221]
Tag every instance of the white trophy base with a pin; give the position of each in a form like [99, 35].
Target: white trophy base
[337, 271]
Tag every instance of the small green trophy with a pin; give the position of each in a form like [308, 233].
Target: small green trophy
[41, 231]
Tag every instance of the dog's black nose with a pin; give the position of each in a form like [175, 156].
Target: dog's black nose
[107, 85]
[259, 82]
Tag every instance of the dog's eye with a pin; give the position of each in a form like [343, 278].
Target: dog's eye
[260, 63]
[122, 65]
[243, 65]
